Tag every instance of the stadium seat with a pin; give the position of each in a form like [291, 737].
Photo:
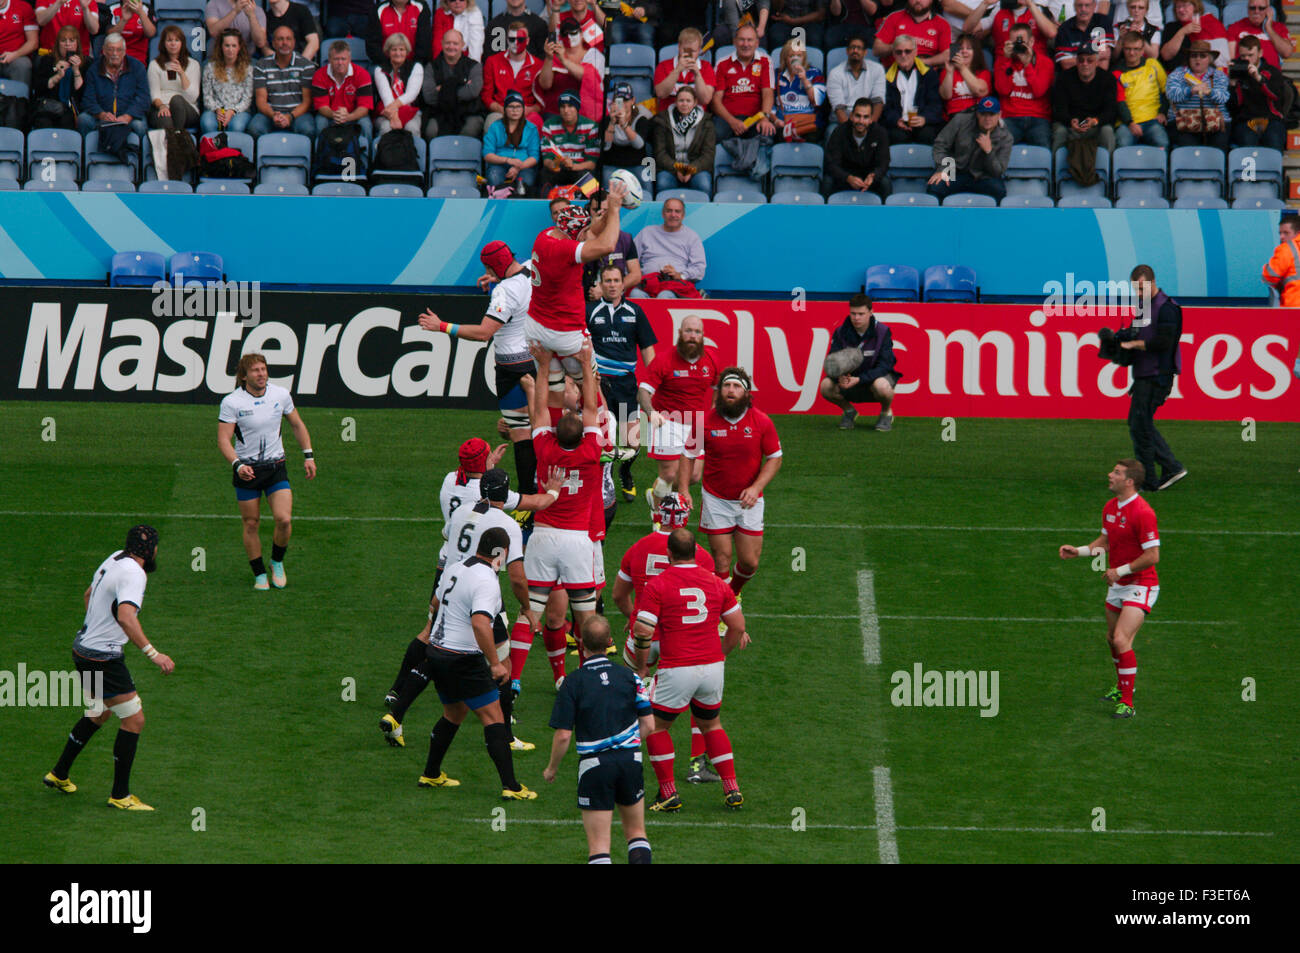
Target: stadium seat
[12, 87]
[1071, 189]
[725, 177]
[1029, 171]
[57, 185]
[1195, 170]
[1083, 200]
[108, 185]
[355, 43]
[1139, 189]
[740, 197]
[283, 158]
[164, 185]
[223, 187]
[136, 268]
[453, 192]
[180, 9]
[951, 283]
[970, 200]
[201, 266]
[283, 188]
[13, 148]
[912, 198]
[1100, 188]
[910, 167]
[688, 196]
[397, 190]
[235, 140]
[1254, 190]
[1200, 202]
[455, 180]
[835, 56]
[1259, 203]
[852, 197]
[455, 153]
[101, 165]
[1139, 164]
[54, 152]
[1141, 201]
[797, 198]
[893, 283]
[631, 61]
[1233, 11]
[1255, 166]
[9, 185]
[796, 166]
[1027, 201]
[415, 178]
[348, 189]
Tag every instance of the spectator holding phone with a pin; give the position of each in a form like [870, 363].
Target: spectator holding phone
[1192, 23]
[86, 16]
[243, 15]
[133, 20]
[58, 84]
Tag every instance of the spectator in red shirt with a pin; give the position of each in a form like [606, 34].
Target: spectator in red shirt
[965, 79]
[408, 17]
[53, 15]
[745, 88]
[570, 66]
[1274, 38]
[512, 69]
[687, 69]
[932, 33]
[1023, 80]
[18, 32]
[1191, 22]
[589, 17]
[136, 23]
[342, 92]
[1041, 24]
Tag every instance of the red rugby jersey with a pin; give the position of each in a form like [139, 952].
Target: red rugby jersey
[684, 603]
[734, 452]
[676, 384]
[581, 466]
[559, 301]
[1130, 529]
[648, 557]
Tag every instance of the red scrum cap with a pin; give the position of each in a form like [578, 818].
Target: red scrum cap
[473, 456]
[498, 257]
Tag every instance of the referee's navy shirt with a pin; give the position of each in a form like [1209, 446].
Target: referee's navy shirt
[601, 703]
[616, 333]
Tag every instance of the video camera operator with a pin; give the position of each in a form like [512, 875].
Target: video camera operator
[1255, 98]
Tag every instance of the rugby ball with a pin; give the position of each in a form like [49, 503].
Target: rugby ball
[633, 197]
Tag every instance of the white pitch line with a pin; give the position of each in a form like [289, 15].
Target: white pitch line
[995, 618]
[1081, 830]
[884, 797]
[867, 617]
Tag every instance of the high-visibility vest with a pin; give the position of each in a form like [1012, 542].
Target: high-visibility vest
[1283, 273]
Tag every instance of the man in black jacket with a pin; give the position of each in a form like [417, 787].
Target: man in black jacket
[875, 378]
[452, 84]
[1159, 323]
[1085, 103]
[1256, 98]
[857, 155]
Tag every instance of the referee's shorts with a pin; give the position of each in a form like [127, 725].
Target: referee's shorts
[620, 397]
[608, 778]
[461, 677]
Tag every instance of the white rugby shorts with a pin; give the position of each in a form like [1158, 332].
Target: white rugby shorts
[1144, 597]
[563, 558]
[724, 516]
[676, 688]
[564, 344]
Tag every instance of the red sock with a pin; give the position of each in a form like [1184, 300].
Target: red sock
[1127, 669]
[697, 740]
[738, 579]
[660, 745]
[521, 640]
[553, 639]
[577, 638]
[719, 748]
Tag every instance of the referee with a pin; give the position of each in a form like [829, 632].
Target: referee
[607, 705]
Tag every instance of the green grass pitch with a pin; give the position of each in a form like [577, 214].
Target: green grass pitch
[959, 535]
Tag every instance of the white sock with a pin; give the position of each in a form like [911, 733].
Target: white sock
[661, 488]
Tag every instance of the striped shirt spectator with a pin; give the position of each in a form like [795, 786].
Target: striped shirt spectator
[282, 88]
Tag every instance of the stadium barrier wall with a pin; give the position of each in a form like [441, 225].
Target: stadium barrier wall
[353, 350]
[760, 249]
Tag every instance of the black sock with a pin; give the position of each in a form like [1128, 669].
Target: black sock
[415, 654]
[599, 859]
[497, 737]
[440, 739]
[600, 604]
[526, 466]
[123, 756]
[625, 469]
[610, 513]
[259, 567]
[81, 732]
[278, 551]
[507, 707]
[638, 851]
[417, 680]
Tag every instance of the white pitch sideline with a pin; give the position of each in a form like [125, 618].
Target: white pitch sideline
[983, 618]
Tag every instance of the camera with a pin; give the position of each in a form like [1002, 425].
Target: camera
[1109, 347]
[1238, 70]
[1019, 46]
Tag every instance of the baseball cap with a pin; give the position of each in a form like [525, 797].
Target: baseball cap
[570, 98]
[497, 256]
[622, 91]
[989, 104]
[514, 96]
[495, 485]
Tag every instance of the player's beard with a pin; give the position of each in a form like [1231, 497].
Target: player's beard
[734, 408]
[689, 350]
[151, 564]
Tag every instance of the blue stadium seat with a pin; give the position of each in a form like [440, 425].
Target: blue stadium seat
[9, 185]
[970, 200]
[1083, 199]
[951, 283]
[12, 87]
[347, 189]
[393, 177]
[797, 198]
[13, 148]
[196, 267]
[1071, 189]
[450, 153]
[893, 283]
[1141, 201]
[688, 196]
[910, 167]
[1255, 165]
[1200, 202]
[355, 43]
[1027, 201]
[1029, 171]
[283, 158]
[924, 199]
[1100, 188]
[136, 268]
[223, 187]
[57, 185]
[101, 166]
[397, 190]
[455, 180]
[796, 166]
[725, 176]
[164, 185]
[852, 197]
[1144, 165]
[54, 152]
[282, 188]
[1233, 11]
[1259, 203]
[180, 9]
[453, 192]
[631, 61]
[108, 185]
[740, 196]
[1195, 170]
[1139, 189]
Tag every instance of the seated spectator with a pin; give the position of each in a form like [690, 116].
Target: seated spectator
[874, 380]
[85, 16]
[502, 26]
[1198, 97]
[684, 142]
[965, 78]
[847, 19]
[1086, 28]
[672, 257]
[347, 17]
[243, 15]
[624, 256]
[1260, 22]
[412, 19]
[175, 81]
[1137, 22]
[299, 19]
[571, 66]
[282, 89]
[342, 92]
[996, 26]
[800, 92]
[1142, 108]
[1256, 104]
[1085, 103]
[625, 137]
[745, 88]
[453, 89]
[228, 87]
[1023, 80]
[465, 18]
[18, 39]
[980, 149]
[856, 78]
[513, 69]
[589, 17]
[1120, 12]
[1192, 23]
[512, 148]
[857, 154]
[810, 15]
[570, 144]
[115, 80]
[59, 82]
[686, 69]
[731, 13]
[398, 85]
[137, 25]
[931, 36]
[913, 107]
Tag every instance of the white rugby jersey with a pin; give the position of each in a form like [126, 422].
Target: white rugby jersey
[451, 496]
[469, 523]
[509, 305]
[115, 582]
[466, 589]
[257, 422]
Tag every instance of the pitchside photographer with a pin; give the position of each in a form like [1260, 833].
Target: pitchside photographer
[1255, 100]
